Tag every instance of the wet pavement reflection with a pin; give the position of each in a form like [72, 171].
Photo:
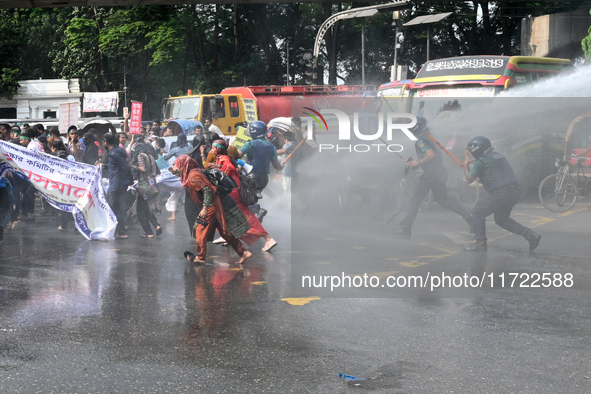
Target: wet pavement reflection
[135, 316]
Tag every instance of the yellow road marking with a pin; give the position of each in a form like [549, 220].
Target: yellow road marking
[436, 257]
[412, 264]
[299, 301]
[259, 283]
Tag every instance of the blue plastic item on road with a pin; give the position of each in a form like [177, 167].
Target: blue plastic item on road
[349, 377]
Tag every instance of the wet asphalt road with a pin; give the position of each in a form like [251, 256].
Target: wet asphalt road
[131, 316]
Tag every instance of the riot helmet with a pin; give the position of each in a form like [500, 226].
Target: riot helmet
[257, 129]
[479, 146]
[421, 127]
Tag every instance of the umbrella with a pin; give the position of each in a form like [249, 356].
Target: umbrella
[103, 126]
[186, 126]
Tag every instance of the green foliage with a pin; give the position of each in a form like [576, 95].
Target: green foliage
[9, 81]
[162, 50]
[166, 43]
[586, 44]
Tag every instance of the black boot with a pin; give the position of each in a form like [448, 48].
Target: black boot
[479, 246]
[533, 238]
[403, 232]
[261, 214]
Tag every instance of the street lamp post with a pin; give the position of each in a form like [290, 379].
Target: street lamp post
[396, 24]
[352, 13]
[287, 50]
[363, 52]
[427, 20]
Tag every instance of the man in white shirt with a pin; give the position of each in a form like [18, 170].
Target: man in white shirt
[209, 126]
[27, 140]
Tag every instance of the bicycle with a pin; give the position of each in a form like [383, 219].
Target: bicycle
[559, 192]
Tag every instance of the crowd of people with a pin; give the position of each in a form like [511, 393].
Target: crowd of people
[132, 167]
[133, 190]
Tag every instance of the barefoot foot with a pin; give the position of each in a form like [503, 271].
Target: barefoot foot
[244, 256]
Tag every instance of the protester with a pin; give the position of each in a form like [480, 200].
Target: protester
[28, 140]
[120, 178]
[182, 147]
[212, 213]
[260, 154]
[191, 208]
[40, 129]
[140, 145]
[54, 135]
[42, 139]
[19, 185]
[156, 128]
[75, 146]
[123, 141]
[90, 155]
[161, 150]
[15, 133]
[5, 203]
[5, 131]
[147, 197]
[59, 149]
[227, 164]
[168, 132]
[28, 190]
[210, 127]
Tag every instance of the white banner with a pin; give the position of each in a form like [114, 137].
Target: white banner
[101, 102]
[68, 116]
[68, 186]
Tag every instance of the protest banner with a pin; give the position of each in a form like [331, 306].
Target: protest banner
[135, 126]
[101, 102]
[68, 116]
[68, 186]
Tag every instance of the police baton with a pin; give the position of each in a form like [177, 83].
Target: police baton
[287, 158]
[446, 151]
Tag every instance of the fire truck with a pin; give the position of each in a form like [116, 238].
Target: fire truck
[236, 106]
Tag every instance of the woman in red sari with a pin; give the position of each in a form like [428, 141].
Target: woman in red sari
[204, 194]
[226, 164]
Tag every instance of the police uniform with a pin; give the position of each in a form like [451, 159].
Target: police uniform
[434, 178]
[503, 192]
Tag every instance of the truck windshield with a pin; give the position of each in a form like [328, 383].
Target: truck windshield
[429, 103]
[182, 108]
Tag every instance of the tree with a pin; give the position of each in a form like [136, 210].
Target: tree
[586, 44]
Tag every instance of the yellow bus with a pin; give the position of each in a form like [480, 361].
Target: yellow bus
[450, 86]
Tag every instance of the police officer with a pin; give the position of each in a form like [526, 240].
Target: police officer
[497, 177]
[434, 178]
[261, 154]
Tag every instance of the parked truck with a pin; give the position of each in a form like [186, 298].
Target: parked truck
[238, 105]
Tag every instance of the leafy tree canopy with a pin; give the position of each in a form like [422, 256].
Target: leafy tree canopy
[157, 51]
